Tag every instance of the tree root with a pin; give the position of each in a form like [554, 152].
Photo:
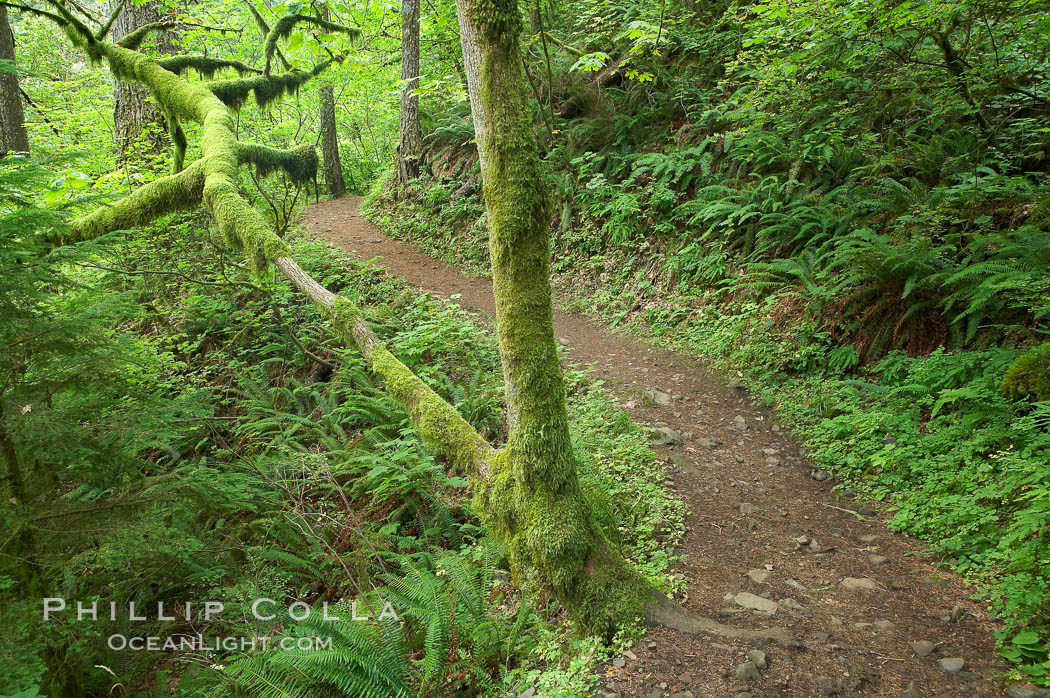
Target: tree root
[664, 613]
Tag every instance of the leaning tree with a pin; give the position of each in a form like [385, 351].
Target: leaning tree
[528, 493]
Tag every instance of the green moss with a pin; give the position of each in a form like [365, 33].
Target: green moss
[433, 418]
[265, 88]
[166, 195]
[300, 162]
[499, 20]
[1029, 376]
[133, 40]
[287, 23]
[206, 66]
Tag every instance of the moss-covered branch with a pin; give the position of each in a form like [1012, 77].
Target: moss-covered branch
[265, 88]
[434, 419]
[166, 195]
[103, 32]
[206, 66]
[213, 178]
[264, 30]
[133, 40]
[299, 163]
[286, 24]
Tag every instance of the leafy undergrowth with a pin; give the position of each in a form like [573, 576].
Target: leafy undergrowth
[957, 454]
[220, 444]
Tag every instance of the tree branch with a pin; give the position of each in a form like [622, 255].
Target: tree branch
[178, 192]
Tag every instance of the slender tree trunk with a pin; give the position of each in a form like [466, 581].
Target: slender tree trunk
[13, 136]
[533, 498]
[410, 148]
[132, 110]
[333, 166]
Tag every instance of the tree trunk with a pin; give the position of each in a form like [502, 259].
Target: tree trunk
[333, 166]
[533, 499]
[132, 110]
[410, 148]
[13, 136]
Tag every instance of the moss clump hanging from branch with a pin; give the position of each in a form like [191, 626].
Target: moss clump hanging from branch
[265, 88]
[299, 163]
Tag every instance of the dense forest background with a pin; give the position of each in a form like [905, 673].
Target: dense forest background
[844, 205]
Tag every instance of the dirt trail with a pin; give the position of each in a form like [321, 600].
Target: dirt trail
[856, 596]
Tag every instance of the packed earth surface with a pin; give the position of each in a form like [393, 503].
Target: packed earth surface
[769, 542]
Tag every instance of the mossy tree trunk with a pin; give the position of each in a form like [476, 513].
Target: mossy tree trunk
[410, 146]
[13, 137]
[534, 495]
[133, 111]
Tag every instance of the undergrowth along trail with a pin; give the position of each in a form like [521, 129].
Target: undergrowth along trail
[766, 536]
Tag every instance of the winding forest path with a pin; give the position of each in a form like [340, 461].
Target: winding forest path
[767, 541]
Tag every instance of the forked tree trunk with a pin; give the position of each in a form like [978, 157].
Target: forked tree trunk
[13, 137]
[410, 147]
[132, 108]
[533, 498]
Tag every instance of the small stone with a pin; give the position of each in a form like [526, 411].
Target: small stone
[773, 461]
[868, 540]
[619, 662]
[740, 423]
[630, 655]
[957, 613]
[748, 600]
[683, 694]
[528, 692]
[1021, 692]
[858, 584]
[631, 404]
[658, 397]
[912, 691]
[666, 436]
[819, 474]
[747, 508]
[952, 665]
[651, 645]
[885, 625]
[803, 540]
[759, 658]
[758, 576]
[791, 605]
[748, 672]
[877, 559]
